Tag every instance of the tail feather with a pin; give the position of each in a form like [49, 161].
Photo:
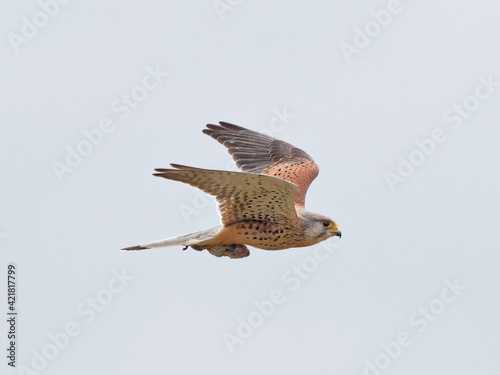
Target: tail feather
[200, 238]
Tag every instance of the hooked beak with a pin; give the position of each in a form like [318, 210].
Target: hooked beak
[336, 232]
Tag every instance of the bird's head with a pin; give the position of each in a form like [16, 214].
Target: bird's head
[318, 227]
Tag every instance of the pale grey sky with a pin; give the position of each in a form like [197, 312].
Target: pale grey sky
[397, 101]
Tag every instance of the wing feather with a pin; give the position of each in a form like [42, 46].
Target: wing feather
[240, 196]
[255, 152]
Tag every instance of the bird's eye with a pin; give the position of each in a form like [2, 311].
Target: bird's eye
[327, 224]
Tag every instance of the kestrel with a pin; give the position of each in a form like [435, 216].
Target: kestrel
[262, 206]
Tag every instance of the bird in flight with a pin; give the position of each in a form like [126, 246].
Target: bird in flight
[263, 206]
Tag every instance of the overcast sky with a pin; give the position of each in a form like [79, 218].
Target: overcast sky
[398, 103]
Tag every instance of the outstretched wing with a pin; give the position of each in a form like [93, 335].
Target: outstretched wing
[258, 153]
[240, 196]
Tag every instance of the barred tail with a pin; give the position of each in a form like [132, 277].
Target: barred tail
[200, 238]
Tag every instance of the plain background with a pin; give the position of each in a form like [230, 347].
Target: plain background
[357, 119]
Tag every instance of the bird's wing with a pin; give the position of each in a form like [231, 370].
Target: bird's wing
[240, 196]
[255, 152]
